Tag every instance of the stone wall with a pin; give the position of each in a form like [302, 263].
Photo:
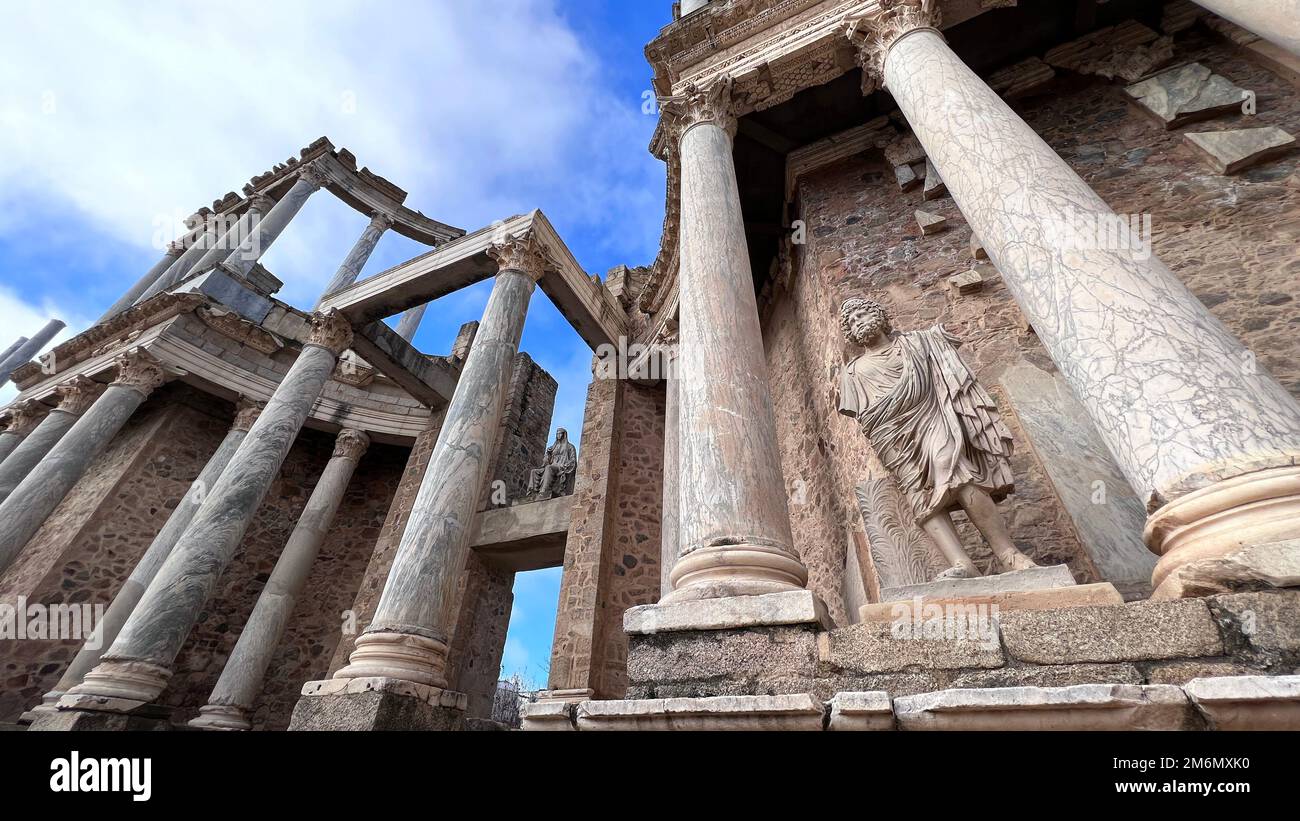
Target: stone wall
[1232, 239]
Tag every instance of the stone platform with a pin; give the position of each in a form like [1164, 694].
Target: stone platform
[1038, 588]
[377, 704]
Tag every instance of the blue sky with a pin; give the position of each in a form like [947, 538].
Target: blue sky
[118, 119]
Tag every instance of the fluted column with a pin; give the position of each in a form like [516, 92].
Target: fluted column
[200, 244]
[160, 548]
[734, 526]
[1277, 21]
[1206, 437]
[174, 252]
[268, 229]
[23, 419]
[408, 637]
[26, 509]
[409, 324]
[232, 700]
[75, 398]
[136, 668]
[357, 258]
[232, 239]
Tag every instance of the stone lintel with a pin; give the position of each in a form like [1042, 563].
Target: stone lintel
[1247, 702]
[733, 612]
[745, 713]
[861, 711]
[525, 537]
[430, 380]
[1081, 707]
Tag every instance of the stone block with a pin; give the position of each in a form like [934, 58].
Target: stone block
[1265, 621]
[934, 185]
[1085, 595]
[1143, 631]
[1228, 152]
[795, 607]
[99, 721]
[549, 716]
[800, 711]
[930, 223]
[1181, 672]
[1186, 94]
[725, 662]
[861, 712]
[1082, 707]
[1247, 702]
[1035, 578]
[896, 684]
[967, 282]
[1058, 675]
[875, 648]
[906, 177]
[1269, 566]
[977, 251]
[377, 704]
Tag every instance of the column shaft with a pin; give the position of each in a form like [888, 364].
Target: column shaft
[269, 228]
[137, 666]
[31, 348]
[1277, 21]
[202, 242]
[357, 258]
[27, 507]
[233, 698]
[174, 252]
[669, 532]
[76, 398]
[409, 324]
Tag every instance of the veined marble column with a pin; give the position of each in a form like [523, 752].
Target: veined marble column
[1277, 21]
[357, 258]
[12, 349]
[1208, 440]
[268, 229]
[30, 348]
[734, 523]
[23, 419]
[26, 509]
[669, 532]
[136, 668]
[408, 637]
[146, 569]
[409, 324]
[203, 242]
[233, 698]
[233, 239]
[74, 399]
[174, 252]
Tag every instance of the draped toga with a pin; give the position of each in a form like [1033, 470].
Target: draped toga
[930, 422]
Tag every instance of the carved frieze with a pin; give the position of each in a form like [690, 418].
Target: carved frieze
[230, 324]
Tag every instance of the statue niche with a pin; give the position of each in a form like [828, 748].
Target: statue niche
[934, 427]
[555, 476]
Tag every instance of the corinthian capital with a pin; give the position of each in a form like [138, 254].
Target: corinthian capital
[523, 253]
[25, 416]
[351, 444]
[712, 103]
[313, 174]
[139, 371]
[246, 413]
[77, 395]
[876, 32]
[330, 330]
[381, 222]
[261, 203]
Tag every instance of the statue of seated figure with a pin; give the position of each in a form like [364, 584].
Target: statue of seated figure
[555, 477]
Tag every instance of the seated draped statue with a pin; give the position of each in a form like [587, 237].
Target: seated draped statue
[934, 427]
[555, 476]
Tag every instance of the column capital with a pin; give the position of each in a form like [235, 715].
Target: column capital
[713, 103]
[351, 444]
[78, 394]
[314, 175]
[176, 247]
[246, 413]
[138, 370]
[25, 416]
[261, 203]
[875, 33]
[381, 222]
[523, 253]
[330, 330]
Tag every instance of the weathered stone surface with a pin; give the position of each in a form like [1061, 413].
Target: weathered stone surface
[795, 607]
[549, 716]
[930, 223]
[1064, 675]
[1035, 578]
[861, 711]
[1186, 94]
[872, 648]
[1082, 707]
[368, 704]
[934, 187]
[896, 684]
[1269, 622]
[96, 721]
[756, 660]
[1181, 672]
[1257, 567]
[784, 712]
[1082, 595]
[1231, 151]
[967, 282]
[1248, 702]
[1132, 632]
[906, 177]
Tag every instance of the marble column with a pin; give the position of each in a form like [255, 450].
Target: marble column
[174, 252]
[409, 324]
[408, 637]
[23, 419]
[75, 398]
[1208, 440]
[1277, 21]
[31, 348]
[669, 532]
[232, 700]
[137, 666]
[357, 258]
[734, 526]
[12, 349]
[268, 229]
[160, 548]
[27, 507]
[201, 243]
[232, 239]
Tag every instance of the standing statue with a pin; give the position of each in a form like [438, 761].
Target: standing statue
[934, 427]
[555, 476]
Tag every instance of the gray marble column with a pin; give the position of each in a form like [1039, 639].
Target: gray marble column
[1277, 21]
[12, 349]
[26, 509]
[231, 241]
[734, 523]
[408, 637]
[409, 324]
[136, 668]
[75, 398]
[23, 419]
[357, 258]
[31, 348]
[232, 700]
[268, 229]
[1180, 402]
[201, 243]
[669, 521]
[174, 252]
[160, 548]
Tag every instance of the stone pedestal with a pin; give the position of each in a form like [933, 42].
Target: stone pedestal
[144, 719]
[377, 704]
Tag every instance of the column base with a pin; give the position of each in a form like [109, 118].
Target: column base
[49, 704]
[125, 685]
[734, 570]
[1213, 523]
[221, 717]
[402, 656]
[147, 717]
[377, 704]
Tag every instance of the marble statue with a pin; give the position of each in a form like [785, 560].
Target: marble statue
[555, 476]
[934, 427]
